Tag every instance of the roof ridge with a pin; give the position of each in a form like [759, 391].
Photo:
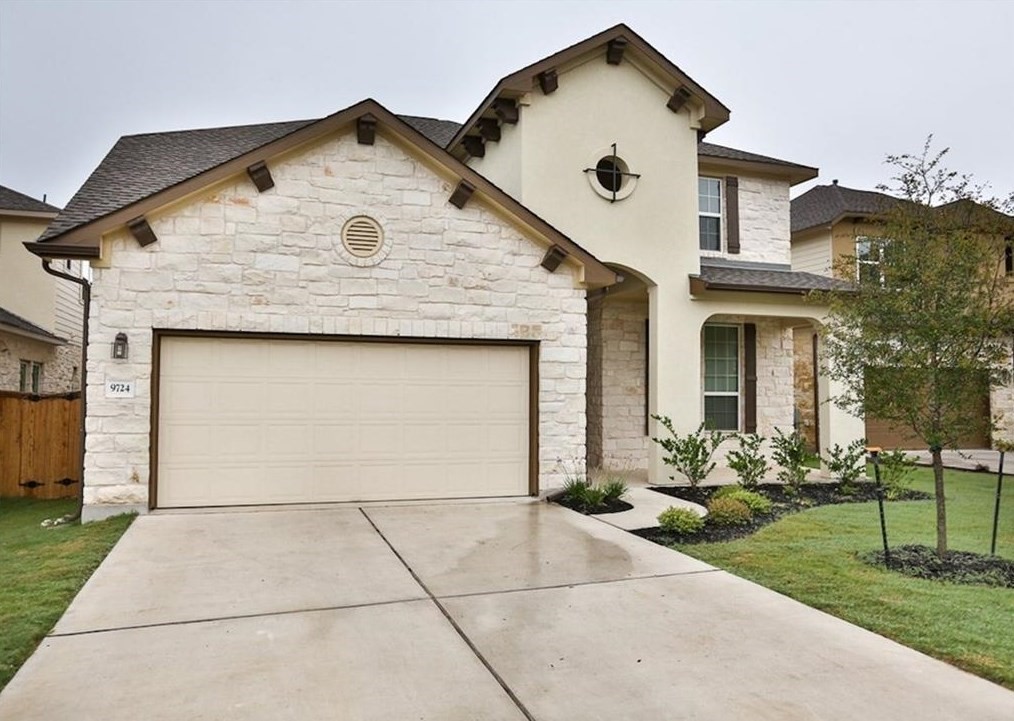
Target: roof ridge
[218, 127]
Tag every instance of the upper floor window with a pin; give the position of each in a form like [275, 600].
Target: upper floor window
[869, 254]
[709, 204]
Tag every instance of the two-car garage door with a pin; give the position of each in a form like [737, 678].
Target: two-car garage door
[245, 421]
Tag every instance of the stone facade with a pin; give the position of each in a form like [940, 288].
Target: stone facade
[623, 373]
[803, 382]
[763, 222]
[61, 364]
[233, 259]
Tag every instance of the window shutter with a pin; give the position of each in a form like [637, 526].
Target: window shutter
[732, 213]
[750, 378]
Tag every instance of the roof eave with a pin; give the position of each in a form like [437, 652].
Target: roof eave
[72, 251]
[795, 174]
[33, 214]
[24, 333]
[699, 286]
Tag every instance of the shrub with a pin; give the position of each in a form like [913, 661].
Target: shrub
[757, 503]
[690, 454]
[614, 489]
[589, 497]
[680, 520]
[748, 462]
[790, 453]
[728, 512]
[847, 464]
[895, 469]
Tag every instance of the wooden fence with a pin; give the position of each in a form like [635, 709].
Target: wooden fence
[40, 445]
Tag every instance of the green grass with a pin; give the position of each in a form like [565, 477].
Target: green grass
[812, 557]
[41, 569]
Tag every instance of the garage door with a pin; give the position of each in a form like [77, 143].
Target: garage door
[264, 421]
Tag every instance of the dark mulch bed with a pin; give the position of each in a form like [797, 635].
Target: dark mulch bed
[608, 507]
[810, 495]
[955, 567]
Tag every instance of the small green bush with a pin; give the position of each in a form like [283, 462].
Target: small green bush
[847, 464]
[790, 453]
[758, 504]
[748, 462]
[680, 520]
[895, 469]
[690, 454]
[728, 512]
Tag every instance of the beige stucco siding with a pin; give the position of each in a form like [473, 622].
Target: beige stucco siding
[25, 288]
[233, 259]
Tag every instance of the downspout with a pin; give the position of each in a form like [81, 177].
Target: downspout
[86, 296]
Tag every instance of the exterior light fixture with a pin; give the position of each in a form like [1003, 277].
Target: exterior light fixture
[120, 349]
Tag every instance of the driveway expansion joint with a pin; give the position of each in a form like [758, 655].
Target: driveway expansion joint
[579, 584]
[237, 617]
[454, 624]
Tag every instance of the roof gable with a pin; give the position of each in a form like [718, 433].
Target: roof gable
[194, 172]
[524, 80]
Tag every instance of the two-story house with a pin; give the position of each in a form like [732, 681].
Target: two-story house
[833, 225]
[40, 315]
[371, 306]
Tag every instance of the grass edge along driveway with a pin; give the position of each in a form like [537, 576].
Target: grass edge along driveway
[812, 557]
[42, 569]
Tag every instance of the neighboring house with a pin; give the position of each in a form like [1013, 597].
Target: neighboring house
[372, 306]
[832, 224]
[40, 315]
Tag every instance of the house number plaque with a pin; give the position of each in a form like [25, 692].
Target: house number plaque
[119, 389]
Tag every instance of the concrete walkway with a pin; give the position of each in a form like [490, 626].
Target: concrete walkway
[455, 612]
[647, 504]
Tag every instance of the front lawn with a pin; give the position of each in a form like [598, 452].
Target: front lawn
[41, 569]
[812, 556]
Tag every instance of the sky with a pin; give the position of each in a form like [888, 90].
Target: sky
[837, 85]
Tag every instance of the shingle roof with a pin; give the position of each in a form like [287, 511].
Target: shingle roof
[16, 321]
[720, 151]
[439, 131]
[824, 204]
[723, 277]
[19, 202]
[140, 165]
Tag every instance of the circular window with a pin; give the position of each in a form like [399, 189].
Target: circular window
[609, 173]
[362, 237]
[610, 176]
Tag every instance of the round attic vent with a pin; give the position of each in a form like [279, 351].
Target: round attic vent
[362, 236]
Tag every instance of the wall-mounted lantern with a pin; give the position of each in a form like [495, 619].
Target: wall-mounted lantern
[120, 349]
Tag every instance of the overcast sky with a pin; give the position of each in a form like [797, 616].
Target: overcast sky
[833, 84]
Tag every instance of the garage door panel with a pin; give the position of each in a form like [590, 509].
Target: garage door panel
[276, 421]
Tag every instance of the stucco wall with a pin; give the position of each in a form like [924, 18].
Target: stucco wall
[237, 260]
[25, 288]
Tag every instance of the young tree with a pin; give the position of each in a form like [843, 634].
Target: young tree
[931, 321]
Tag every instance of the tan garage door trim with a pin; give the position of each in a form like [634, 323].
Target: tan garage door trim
[533, 382]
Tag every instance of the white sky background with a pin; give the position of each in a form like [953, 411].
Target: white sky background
[837, 85]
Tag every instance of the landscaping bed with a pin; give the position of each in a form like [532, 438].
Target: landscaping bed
[955, 567]
[608, 506]
[784, 501]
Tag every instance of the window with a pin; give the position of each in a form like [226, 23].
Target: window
[709, 204]
[31, 377]
[609, 174]
[721, 377]
[869, 253]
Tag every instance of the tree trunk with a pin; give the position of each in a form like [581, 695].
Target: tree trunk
[938, 487]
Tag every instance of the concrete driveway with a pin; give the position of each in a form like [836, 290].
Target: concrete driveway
[455, 612]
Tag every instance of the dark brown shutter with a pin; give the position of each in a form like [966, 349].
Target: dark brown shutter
[749, 378]
[732, 213]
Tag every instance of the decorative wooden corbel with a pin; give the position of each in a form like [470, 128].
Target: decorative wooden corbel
[461, 194]
[614, 50]
[141, 231]
[366, 129]
[548, 81]
[489, 128]
[679, 98]
[261, 176]
[553, 257]
[475, 146]
[506, 109]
